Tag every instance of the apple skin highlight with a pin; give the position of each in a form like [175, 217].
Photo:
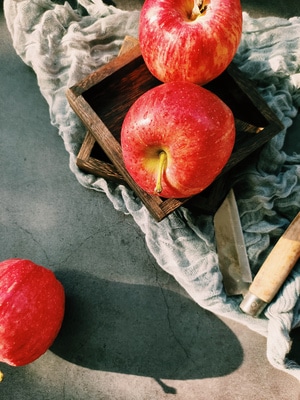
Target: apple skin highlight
[191, 125]
[176, 45]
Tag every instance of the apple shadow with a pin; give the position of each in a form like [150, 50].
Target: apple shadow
[142, 330]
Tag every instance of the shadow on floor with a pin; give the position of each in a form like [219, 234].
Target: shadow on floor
[142, 330]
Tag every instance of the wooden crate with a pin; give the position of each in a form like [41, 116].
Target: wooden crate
[103, 98]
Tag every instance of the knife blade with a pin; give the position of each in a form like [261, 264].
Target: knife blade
[231, 249]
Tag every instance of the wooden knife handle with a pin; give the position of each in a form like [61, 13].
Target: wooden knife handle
[274, 270]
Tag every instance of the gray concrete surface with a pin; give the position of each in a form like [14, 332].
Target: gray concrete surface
[120, 338]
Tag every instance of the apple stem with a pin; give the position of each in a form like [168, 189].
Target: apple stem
[198, 9]
[160, 170]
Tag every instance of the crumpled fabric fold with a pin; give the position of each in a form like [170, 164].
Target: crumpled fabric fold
[62, 46]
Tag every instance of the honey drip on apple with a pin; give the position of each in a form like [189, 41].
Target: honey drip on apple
[161, 167]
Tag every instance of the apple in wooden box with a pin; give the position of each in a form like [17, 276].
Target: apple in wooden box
[176, 138]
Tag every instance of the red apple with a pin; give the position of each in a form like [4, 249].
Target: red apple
[176, 138]
[32, 305]
[190, 40]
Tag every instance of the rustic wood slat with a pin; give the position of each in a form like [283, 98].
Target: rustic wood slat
[91, 164]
